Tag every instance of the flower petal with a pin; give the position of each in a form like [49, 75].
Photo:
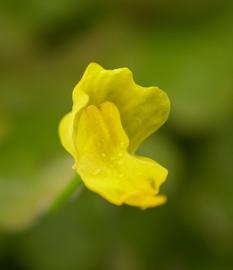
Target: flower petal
[65, 133]
[143, 109]
[107, 168]
[68, 124]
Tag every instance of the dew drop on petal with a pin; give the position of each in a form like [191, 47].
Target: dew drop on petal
[103, 154]
[96, 171]
[119, 162]
[138, 121]
[122, 144]
[120, 155]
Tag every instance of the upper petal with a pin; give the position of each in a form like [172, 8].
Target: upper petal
[143, 109]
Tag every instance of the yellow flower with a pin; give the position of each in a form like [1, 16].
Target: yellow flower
[111, 116]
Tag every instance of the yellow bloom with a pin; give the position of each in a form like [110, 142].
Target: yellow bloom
[111, 116]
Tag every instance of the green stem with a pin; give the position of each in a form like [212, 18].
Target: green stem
[66, 194]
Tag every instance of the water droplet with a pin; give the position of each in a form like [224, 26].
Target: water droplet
[119, 162]
[138, 121]
[122, 144]
[96, 171]
[120, 155]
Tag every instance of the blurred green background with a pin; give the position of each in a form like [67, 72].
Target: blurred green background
[184, 47]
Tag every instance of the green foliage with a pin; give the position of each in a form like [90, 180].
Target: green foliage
[185, 47]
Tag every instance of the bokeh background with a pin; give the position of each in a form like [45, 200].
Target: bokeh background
[184, 47]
